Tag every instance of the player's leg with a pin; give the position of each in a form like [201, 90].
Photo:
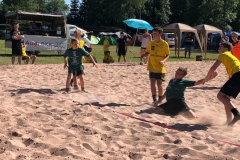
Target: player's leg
[190, 114]
[13, 59]
[33, 57]
[27, 59]
[160, 78]
[153, 82]
[124, 55]
[19, 59]
[230, 89]
[82, 83]
[69, 75]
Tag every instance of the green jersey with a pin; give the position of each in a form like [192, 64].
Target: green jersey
[177, 87]
[75, 58]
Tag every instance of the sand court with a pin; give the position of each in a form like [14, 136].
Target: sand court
[114, 120]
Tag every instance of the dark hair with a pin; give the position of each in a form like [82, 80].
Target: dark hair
[159, 29]
[227, 45]
[107, 52]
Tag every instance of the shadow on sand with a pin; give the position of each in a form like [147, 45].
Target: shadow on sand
[177, 126]
[29, 90]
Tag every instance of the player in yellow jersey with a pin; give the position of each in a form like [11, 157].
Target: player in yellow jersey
[158, 52]
[27, 57]
[106, 44]
[232, 87]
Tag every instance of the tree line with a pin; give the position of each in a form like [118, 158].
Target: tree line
[219, 13]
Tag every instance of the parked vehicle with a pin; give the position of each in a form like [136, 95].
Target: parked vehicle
[169, 37]
[55, 37]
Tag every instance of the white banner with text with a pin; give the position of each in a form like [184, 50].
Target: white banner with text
[45, 43]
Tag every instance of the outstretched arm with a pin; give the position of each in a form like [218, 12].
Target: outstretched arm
[211, 70]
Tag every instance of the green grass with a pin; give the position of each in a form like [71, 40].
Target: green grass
[133, 54]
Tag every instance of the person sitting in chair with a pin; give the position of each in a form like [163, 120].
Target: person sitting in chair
[27, 57]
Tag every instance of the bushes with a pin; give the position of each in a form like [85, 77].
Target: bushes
[2, 34]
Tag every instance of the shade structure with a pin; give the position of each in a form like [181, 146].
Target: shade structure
[204, 30]
[178, 29]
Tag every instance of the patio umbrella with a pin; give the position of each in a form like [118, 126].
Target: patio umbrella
[138, 24]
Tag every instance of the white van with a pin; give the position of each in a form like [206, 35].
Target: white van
[55, 38]
[169, 37]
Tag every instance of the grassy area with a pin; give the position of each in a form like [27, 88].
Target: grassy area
[133, 54]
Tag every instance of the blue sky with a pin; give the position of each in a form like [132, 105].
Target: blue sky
[69, 1]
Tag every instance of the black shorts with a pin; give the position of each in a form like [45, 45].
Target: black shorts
[160, 76]
[232, 86]
[16, 51]
[80, 72]
[121, 53]
[143, 48]
[174, 106]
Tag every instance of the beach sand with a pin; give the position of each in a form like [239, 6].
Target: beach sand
[114, 120]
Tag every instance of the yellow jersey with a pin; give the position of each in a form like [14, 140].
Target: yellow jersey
[105, 45]
[158, 51]
[231, 63]
[108, 59]
[24, 54]
[80, 44]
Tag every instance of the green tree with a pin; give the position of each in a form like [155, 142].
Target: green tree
[158, 12]
[74, 12]
[211, 12]
[105, 12]
[26, 5]
[54, 6]
[178, 9]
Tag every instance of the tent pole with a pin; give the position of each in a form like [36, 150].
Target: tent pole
[179, 37]
[176, 42]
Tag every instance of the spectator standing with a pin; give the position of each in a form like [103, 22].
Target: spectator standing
[121, 48]
[17, 36]
[144, 39]
[188, 45]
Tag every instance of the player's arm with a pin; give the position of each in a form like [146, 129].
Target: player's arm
[211, 70]
[93, 61]
[20, 36]
[150, 37]
[167, 51]
[65, 62]
[65, 59]
[201, 81]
